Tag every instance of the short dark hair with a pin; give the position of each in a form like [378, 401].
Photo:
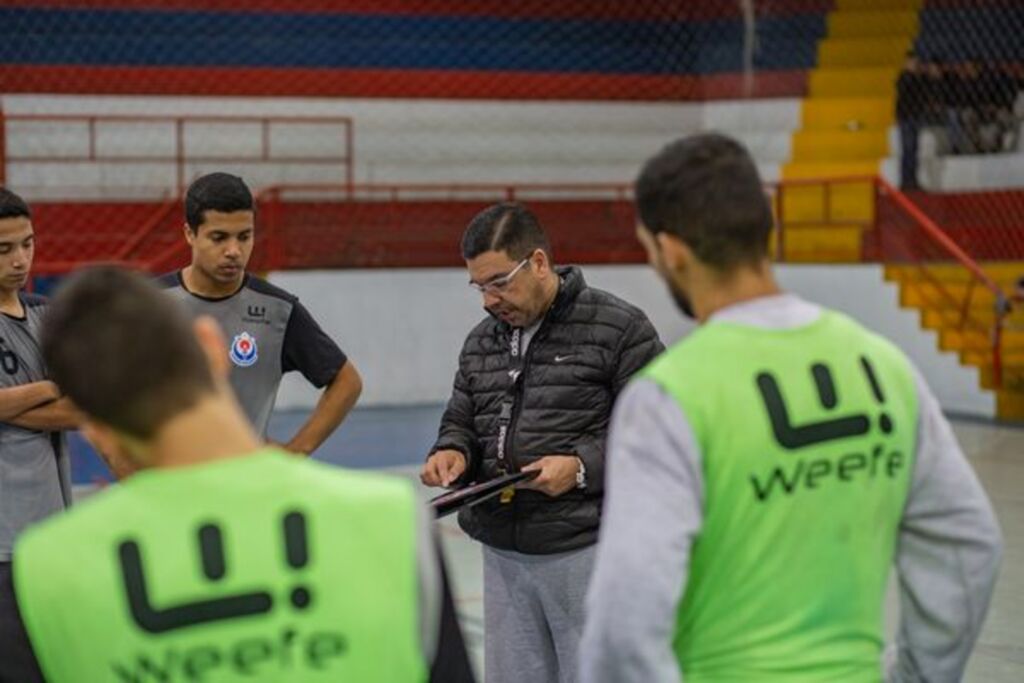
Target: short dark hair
[509, 227]
[13, 206]
[124, 351]
[705, 190]
[215, 192]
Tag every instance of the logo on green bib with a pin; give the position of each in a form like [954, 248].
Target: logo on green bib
[792, 437]
[211, 549]
[810, 474]
[248, 655]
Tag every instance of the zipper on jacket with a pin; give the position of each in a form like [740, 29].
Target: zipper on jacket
[518, 394]
[508, 402]
[519, 391]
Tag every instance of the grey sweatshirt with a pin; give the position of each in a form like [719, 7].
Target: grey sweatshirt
[947, 556]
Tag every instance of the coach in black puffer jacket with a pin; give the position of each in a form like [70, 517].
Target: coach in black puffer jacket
[536, 383]
[587, 347]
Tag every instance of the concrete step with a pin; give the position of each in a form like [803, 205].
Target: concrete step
[878, 5]
[1010, 405]
[978, 340]
[1012, 377]
[980, 358]
[873, 23]
[852, 201]
[983, 314]
[821, 244]
[799, 170]
[884, 51]
[865, 145]
[948, 296]
[874, 81]
[1004, 273]
[848, 113]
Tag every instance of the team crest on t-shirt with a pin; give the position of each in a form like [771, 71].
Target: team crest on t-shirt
[243, 350]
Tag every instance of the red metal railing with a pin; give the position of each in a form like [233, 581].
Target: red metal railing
[909, 236]
[408, 225]
[91, 150]
[896, 230]
[352, 225]
[787, 193]
[828, 186]
[455, 191]
[616, 197]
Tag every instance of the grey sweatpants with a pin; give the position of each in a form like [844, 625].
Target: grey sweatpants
[533, 615]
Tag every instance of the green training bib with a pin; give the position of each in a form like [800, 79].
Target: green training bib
[258, 568]
[807, 437]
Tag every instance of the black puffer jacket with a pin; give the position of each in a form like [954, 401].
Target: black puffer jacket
[584, 352]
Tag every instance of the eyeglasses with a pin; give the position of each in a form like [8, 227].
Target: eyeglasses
[499, 284]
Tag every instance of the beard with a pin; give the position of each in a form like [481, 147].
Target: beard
[680, 297]
[683, 302]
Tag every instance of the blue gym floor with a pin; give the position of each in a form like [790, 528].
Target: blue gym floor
[370, 438]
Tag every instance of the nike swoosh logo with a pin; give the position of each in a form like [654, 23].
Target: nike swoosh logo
[559, 359]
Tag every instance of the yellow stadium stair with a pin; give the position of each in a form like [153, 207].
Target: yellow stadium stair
[844, 132]
[962, 315]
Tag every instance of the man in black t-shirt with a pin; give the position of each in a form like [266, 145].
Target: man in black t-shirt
[268, 331]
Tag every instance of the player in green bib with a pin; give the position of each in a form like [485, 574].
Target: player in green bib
[767, 471]
[221, 560]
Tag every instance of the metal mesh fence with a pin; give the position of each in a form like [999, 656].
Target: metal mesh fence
[403, 107]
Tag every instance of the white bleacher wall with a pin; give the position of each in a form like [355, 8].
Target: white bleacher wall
[436, 141]
[400, 141]
[961, 172]
[404, 328]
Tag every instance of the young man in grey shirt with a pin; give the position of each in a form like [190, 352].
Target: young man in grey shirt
[35, 475]
[269, 332]
[767, 471]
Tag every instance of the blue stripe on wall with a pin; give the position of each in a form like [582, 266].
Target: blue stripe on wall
[209, 39]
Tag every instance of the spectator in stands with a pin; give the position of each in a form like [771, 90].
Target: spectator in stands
[934, 109]
[998, 92]
[534, 390]
[911, 102]
[961, 99]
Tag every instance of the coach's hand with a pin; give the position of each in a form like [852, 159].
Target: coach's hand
[557, 474]
[443, 468]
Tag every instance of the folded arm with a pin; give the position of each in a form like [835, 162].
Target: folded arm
[49, 417]
[16, 400]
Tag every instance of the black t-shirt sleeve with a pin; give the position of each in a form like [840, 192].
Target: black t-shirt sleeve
[308, 349]
[18, 662]
[451, 662]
